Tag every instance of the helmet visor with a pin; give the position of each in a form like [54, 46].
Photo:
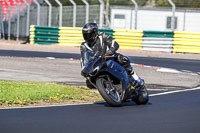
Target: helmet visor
[87, 36]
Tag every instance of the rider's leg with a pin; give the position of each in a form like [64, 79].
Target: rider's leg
[137, 82]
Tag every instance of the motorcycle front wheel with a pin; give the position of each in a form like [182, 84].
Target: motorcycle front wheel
[109, 93]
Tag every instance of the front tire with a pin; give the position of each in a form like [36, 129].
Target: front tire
[109, 94]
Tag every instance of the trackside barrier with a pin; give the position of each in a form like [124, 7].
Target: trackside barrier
[186, 42]
[157, 41]
[131, 39]
[43, 35]
[108, 31]
[70, 36]
[64, 36]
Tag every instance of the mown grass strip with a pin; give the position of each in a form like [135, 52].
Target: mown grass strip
[26, 93]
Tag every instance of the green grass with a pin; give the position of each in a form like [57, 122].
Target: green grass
[25, 93]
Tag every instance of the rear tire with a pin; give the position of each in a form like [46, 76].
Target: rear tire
[112, 97]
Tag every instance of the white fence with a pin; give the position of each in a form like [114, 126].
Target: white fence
[129, 17]
[154, 19]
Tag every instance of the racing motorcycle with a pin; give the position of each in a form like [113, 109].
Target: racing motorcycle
[112, 81]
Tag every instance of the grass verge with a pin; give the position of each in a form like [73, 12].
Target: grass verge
[28, 93]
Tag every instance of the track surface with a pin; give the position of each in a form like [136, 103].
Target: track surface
[179, 64]
[171, 113]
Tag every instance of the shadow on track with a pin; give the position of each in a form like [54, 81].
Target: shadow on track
[125, 104]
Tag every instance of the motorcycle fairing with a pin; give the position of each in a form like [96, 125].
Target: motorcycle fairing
[118, 72]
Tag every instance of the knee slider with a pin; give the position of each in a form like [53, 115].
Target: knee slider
[124, 60]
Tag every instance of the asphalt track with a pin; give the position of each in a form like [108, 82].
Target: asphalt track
[178, 64]
[171, 113]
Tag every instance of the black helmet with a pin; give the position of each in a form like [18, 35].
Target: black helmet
[90, 31]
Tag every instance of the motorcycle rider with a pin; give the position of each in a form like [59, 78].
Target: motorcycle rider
[102, 44]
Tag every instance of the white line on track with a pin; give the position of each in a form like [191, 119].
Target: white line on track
[63, 105]
[157, 89]
[46, 106]
[176, 91]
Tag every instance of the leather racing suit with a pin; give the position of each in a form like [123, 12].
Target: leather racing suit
[105, 45]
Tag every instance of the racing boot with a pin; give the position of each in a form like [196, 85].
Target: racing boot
[140, 94]
[136, 81]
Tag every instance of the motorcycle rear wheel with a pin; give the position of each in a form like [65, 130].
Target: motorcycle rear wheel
[142, 97]
[109, 94]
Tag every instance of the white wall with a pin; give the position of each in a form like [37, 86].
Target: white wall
[155, 20]
[121, 23]
[192, 22]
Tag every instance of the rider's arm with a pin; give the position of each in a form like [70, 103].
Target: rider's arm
[86, 54]
[112, 44]
[82, 50]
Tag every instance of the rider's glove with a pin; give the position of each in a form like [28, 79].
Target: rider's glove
[110, 51]
[82, 48]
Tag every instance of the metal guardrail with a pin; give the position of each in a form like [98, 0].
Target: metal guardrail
[2, 33]
[40, 21]
[60, 12]
[18, 19]
[38, 11]
[9, 20]
[28, 17]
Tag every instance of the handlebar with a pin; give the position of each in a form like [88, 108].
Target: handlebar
[108, 56]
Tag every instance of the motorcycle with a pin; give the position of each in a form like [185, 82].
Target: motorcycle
[112, 81]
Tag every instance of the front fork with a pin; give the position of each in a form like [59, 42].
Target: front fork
[88, 78]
